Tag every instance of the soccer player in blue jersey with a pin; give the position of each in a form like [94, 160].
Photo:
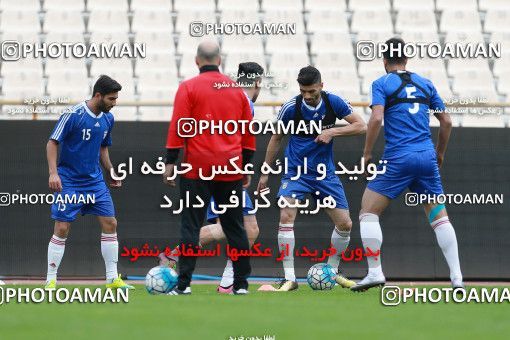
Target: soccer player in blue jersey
[403, 99]
[250, 74]
[84, 135]
[313, 104]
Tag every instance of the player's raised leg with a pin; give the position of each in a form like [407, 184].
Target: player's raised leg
[110, 252]
[208, 234]
[372, 206]
[286, 243]
[447, 240]
[340, 240]
[56, 249]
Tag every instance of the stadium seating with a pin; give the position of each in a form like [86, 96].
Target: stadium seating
[24, 5]
[115, 5]
[108, 21]
[72, 20]
[205, 5]
[497, 20]
[15, 20]
[415, 20]
[378, 5]
[62, 5]
[492, 4]
[371, 20]
[422, 5]
[327, 31]
[248, 6]
[327, 20]
[453, 19]
[153, 5]
[456, 4]
[160, 21]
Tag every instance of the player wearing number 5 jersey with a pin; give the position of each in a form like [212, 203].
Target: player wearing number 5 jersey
[404, 99]
[84, 135]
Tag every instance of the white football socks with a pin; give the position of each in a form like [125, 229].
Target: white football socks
[227, 278]
[56, 249]
[340, 240]
[371, 235]
[447, 241]
[110, 252]
[286, 241]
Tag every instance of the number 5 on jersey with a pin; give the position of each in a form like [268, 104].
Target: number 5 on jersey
[416, 107]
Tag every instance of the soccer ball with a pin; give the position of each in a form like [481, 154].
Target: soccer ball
[321, 276]
[160, 280]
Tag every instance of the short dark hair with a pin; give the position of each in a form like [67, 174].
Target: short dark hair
[394, 53]
[309, 75]
[105, 85]
[249, 68]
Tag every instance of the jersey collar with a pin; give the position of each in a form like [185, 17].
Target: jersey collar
[209, 68]
[92, 114]
[311, 108]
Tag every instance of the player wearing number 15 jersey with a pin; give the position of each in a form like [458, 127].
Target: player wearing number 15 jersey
[404, 99]
[84, 135]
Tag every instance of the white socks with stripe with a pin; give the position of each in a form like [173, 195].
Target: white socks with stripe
[371, 235]
[56, 249]
[447, 240]
[340, 240]
[286, 241]
[227, 279]
[110, 252]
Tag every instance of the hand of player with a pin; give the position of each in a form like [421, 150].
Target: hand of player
[169, 171]
[54, 183]
[262, 182]
[324, 138]
[367, 159]
[440, 159]
[114, 184]
[246, 181]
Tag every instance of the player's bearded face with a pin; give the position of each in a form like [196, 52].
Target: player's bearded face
[107, 102]
[311, 93]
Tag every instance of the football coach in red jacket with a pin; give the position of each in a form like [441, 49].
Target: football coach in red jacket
[201, 99]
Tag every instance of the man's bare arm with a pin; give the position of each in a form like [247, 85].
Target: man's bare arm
[373, 129]
[356, 126]
[54, 182]
[105, 159]
[445, 129]
[273, 147]
[106, 163]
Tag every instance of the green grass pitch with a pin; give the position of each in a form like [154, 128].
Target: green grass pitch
[302, 314]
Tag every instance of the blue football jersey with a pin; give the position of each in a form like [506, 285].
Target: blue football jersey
[300, 147]
[406, 113]
[81, 134]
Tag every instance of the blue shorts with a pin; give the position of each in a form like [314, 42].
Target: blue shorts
[67, 211]
[329, 186]
[416, 170]
[211, 217]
